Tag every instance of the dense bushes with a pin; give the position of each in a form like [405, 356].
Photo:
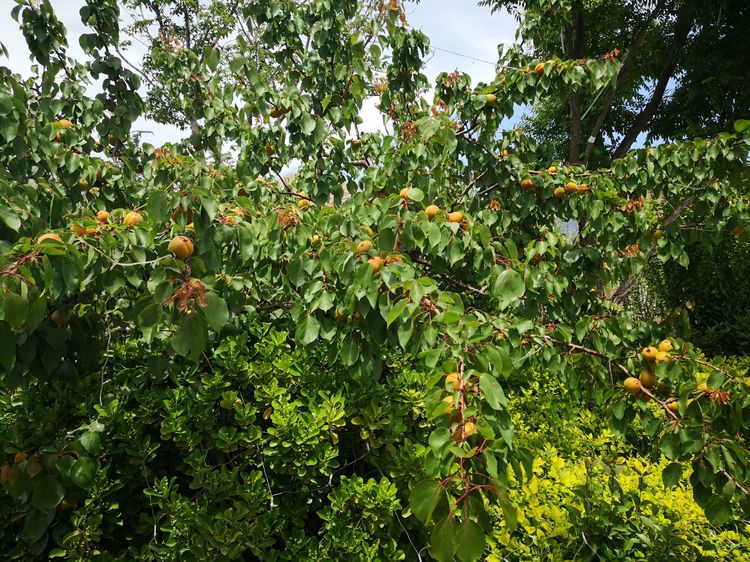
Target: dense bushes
[273, 455]
[714, 291]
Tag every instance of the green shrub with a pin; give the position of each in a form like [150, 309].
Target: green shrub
[714, 291]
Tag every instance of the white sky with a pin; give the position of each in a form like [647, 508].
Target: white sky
[459, 26]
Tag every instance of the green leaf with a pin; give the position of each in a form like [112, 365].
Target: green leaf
[307, 330]
[444, 540]
[395, 311]
[212, 56]
[718, 511]
[83, 472]
[308, 124]
[191, 336]
[349, 352]
[48, 492]
[15, 310]
[509, 510]
[493, 392]
[508, 287]
[471, 541]
[424, 498]
[37, 522]
[438, 438]
[11, 220]
[92, 442]
[7, 348]
[216, 311]
[671, 474]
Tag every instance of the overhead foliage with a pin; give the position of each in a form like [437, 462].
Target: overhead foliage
[350, 258]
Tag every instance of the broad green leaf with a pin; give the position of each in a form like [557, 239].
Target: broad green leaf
[444, 540]
[671, 475]
[83, 472]
[493, 392]
[92, 442]
[216, 311]
[307, 330]
[471, 541]
[424, 498]
[508, 287]
[48, 492]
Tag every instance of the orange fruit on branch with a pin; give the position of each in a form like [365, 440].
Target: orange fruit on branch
[132, 218]
[181, 246]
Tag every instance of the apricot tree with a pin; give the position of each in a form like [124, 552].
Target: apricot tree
[439, 239]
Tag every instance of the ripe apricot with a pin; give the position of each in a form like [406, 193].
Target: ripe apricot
[583, 188]
[20, 457]
[448, 408]
[64, 123]
[662, 356]
[552, 169]
[303, 203]
[181, 246]
[452, 380]
[340, 316]
[571, 187]
[61, 318]
[404, 194]
[527, 184]
[648, 379]
[674, 406]
[432, 210]
[9, 474]
[470, 428]
[491, 100]
[364, 247]
[632, 385]
[649, 353]
[132, 218]
[539, 68]
[376, 263]
[455, 216]
[666, 346]
[102, 216]
[559, 192]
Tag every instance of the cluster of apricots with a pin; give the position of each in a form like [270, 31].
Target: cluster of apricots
[433, 210]
[364, 247]
[570, 188]
[459, 386]
[647, 379]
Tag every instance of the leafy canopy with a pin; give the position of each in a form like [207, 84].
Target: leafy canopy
[346, 258]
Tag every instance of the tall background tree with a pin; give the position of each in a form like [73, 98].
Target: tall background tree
[680, 76]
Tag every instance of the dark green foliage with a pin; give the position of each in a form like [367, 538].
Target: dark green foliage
[714, 292]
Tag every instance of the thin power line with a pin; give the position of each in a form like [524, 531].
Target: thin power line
[494, 64]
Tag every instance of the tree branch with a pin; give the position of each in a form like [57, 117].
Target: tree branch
[685, 18]
[627, 63]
